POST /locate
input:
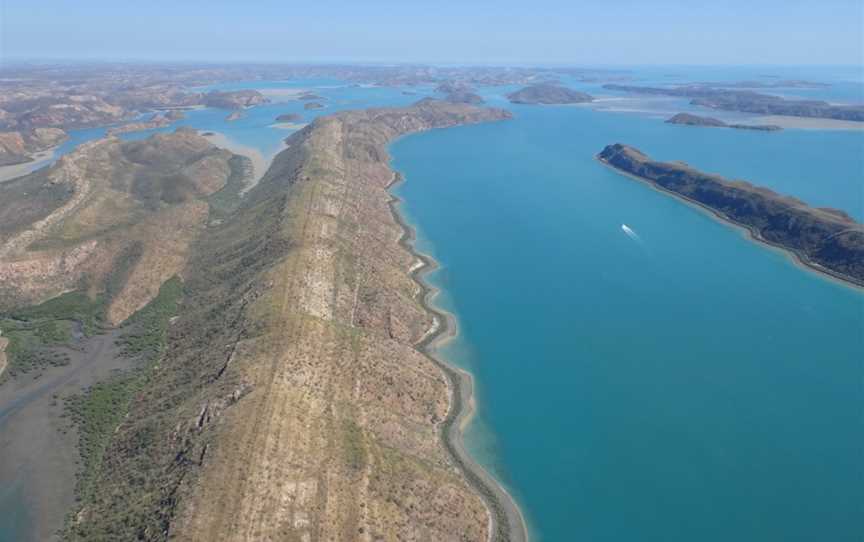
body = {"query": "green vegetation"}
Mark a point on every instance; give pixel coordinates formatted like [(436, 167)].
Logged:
[(34, 331), (99, 411), (225, 201), (147, 327)]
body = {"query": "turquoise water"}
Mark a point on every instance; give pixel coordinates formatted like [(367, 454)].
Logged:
[(685, 384)]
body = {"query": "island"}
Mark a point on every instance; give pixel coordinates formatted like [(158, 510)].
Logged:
[(237, 114), (827, 240), (158, 120), (688, 119), (750, 102), (236, 99), (289, 117), (548, 94), (309, 96), (313, 105)]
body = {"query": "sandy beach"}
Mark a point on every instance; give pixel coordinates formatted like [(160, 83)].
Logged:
[(260, 163), (807, 123), (288, 125), (507, 522)]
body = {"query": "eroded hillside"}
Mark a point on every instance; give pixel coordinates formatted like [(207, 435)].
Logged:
[(114, 218)]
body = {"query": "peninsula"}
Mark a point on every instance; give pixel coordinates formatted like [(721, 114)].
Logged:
[(548, 94), (293, 398), (827, 240)]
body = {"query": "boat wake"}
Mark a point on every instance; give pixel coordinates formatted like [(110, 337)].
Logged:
[(628, 231)]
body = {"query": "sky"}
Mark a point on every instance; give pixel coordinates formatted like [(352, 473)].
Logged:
[(574, 32)]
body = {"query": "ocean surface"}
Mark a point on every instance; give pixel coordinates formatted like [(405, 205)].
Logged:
[(672, 381), (676, 382)]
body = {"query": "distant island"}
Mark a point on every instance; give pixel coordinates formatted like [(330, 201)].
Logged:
[(237, 114), (782, 83), (748, 101), (289, 117), (827, 240), (695, 120), (459, 92), (313, 105), (308, 96), (234, 99), (548, 94)]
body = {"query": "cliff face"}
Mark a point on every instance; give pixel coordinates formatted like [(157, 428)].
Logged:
[(827, 239), (291, 403), (548, 94)]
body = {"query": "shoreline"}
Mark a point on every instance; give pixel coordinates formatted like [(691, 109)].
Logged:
[(260, 163), (795, 256), (40, 159), (507, 523)]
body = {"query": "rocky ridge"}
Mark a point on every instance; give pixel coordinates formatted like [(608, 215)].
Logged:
[(825, 239)]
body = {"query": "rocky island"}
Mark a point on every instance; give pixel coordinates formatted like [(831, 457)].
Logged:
[(695, 120), (827, 240), (313, 105), (548, 94)]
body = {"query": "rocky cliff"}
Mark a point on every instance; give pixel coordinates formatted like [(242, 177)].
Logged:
[(292, 403), (825, 239)]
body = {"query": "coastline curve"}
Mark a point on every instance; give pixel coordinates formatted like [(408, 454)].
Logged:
[(507, 523)]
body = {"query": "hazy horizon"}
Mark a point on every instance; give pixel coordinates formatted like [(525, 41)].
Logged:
[(668, 33)]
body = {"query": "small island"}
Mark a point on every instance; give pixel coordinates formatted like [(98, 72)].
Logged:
[(548, 94), (313, 105), (235, 115), (827, 240), (309, 96), (289, 117), (687, 119)]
